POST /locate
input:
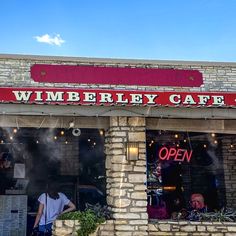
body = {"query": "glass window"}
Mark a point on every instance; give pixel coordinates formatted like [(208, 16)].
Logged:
[(180, 164)]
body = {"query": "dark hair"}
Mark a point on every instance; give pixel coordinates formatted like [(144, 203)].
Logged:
[(52, 190)]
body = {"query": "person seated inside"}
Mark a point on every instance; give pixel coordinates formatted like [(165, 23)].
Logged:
[(197, 205), (156, 207), (178, 211), (197, 202)]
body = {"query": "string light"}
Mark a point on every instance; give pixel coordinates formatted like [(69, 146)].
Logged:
[(11, 137), (176, 135), (101, 132), (215, 141), (231, 145), (37, 141), (66, 142), (14, 130), (213, 135), (204, 145), (55, 137), (62, 132)]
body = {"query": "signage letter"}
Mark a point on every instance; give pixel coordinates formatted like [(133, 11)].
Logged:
[(175, 99), (151, 98), (106, 98), (89, 97), (188, 156), (189, 100), (120, 98), (22, 95), (73, 97), (165, 151), (54, 97), (203, 99), (218, 100), (39, 96), (136, 98)]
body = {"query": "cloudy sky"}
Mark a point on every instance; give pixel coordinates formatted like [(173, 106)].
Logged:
[(203, 30)]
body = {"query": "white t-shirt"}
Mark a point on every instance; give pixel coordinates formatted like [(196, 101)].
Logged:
[(54, 207)]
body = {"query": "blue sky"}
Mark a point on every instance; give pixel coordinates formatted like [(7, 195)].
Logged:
[(197, 30)]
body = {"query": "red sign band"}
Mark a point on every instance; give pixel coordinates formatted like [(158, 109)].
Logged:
[(115, 97), (115, 75)]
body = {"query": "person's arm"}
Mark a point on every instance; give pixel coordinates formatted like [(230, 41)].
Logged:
[(39, 214), (71, 207)]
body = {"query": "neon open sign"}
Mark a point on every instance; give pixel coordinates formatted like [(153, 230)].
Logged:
[(175, 154)]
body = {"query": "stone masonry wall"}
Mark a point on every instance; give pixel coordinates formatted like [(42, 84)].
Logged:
[(161, 228), (69, 227), (186, 228), (126, 180), (15, 71), (229, 162)]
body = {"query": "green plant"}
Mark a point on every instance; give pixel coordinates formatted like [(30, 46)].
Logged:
[(99, 210), (89, 221), (224, 214)]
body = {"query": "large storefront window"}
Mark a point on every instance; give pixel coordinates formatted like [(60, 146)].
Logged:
[(30, 157), (180, 164)]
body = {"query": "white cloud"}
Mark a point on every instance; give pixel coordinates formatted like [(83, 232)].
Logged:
[(46, 38)]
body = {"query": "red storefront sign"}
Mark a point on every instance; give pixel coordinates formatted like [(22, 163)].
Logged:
[(115, 75), (31, 95)]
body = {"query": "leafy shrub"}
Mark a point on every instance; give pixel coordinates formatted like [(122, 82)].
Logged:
[(225, 214), (99, 211), (89, 221)]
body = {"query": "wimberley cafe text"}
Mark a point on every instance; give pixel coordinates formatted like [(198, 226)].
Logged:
[(152, 140)]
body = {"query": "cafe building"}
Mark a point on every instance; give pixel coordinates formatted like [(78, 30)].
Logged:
[(132, 134)]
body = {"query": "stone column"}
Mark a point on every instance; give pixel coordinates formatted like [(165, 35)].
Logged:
[(229, 162), (126, 179)]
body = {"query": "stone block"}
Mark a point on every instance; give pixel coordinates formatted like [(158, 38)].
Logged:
[(137, 136), (137, 178), (140, 233), (139, 195), (122, 202), (124, 227), (69, 223), (122, 121), (188, 228), (231, 229), (126, 216), (136, 121)]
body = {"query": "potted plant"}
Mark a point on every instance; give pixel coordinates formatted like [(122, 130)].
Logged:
[(89, 219)]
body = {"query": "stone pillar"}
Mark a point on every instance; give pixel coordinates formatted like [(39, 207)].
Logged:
[(126, 179), (229, 162)]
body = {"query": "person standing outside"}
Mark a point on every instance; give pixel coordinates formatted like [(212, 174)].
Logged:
[(51, 205)]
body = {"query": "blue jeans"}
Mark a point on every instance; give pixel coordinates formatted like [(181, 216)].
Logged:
[(46, 228)]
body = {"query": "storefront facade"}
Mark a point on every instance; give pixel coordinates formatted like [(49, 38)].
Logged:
[(193, 106)]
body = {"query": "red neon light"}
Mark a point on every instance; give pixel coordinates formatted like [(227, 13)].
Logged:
[(115, 75), (177, 154)]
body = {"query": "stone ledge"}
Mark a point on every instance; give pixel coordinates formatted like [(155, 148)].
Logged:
[(175, 228)]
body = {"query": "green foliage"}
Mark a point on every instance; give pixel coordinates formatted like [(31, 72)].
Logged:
[(224, 214), (99, 210), (89, 221)]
